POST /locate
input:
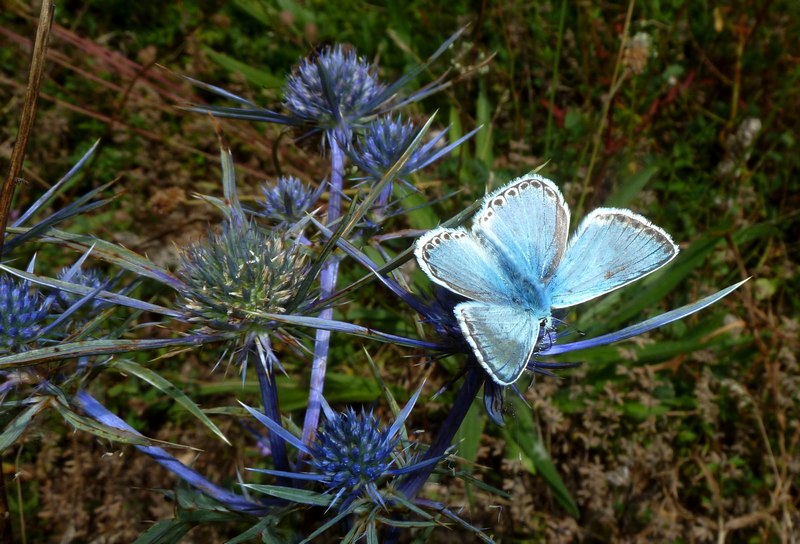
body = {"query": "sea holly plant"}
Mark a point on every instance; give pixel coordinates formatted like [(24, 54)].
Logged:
[(260, 291), (357, 462), (334, 93)]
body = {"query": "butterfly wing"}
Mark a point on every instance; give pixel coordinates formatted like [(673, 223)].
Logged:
[(502, 337), (455, 259), (527, 222), (611, 248)]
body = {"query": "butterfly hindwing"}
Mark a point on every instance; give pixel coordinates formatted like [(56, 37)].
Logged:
[(502, 337), (455, 259), (527, 222), (611, 248)]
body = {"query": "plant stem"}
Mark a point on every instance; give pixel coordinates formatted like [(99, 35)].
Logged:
[(328, 277), (412, 483), (554, 82), (269, 398), (473, 380), (26, 119), (616, 83), (235, 502)]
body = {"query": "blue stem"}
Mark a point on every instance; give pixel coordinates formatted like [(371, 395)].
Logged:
[(235, 502), (269, 397), (328, 277), (473, 380)]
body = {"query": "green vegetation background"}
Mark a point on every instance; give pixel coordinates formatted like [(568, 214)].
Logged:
[(690, 434)]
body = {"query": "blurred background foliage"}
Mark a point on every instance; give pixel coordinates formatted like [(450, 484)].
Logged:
[(685, 111)]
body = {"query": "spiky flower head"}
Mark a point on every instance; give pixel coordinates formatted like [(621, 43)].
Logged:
[(384, 141), (352, 452), (21, 312), (288, 200), (380, 146), (333, 89), (90, 278), (240, 270)]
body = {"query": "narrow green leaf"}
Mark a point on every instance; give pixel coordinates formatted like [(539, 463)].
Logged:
[(468, 437), (252, 532), (91, 426), (409, 524), (300, 496), (324, 527), (484, 138), (456, 131), (87, 348), (17, 426), (372, 533), (524, 437), (339, 389), (164, 385), (169, 531), (260, 78), (630, 187), (173, 530), (109, 252)]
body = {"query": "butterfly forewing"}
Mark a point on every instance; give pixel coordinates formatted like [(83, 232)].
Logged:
[(454, 259), (527, 222), (611, 248), (502, 337)]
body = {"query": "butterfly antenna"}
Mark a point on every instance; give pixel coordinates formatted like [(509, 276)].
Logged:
[(567, 329)]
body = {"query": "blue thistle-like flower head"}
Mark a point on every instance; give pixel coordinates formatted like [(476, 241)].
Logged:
[(334, 89), (288, 200), (380, 146), (90, 278), (352, 452), (21, 312), (240, 270), (384, 141)]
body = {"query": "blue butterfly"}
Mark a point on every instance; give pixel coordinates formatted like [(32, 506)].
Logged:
[(515, 266)]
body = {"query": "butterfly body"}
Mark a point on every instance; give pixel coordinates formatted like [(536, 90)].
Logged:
[(516, 266)]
